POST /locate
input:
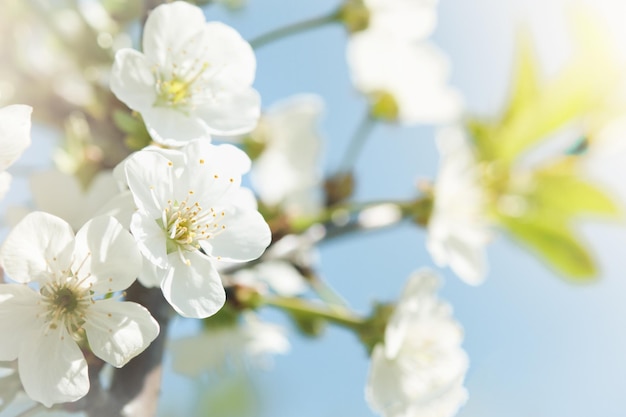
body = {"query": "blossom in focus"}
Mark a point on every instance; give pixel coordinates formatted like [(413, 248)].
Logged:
[(288, 173), (14, 139), (405, 82), (249, 341), (193, 78), (418, 370), (43, 326), (191, 214), (62, 195), (457, 228)]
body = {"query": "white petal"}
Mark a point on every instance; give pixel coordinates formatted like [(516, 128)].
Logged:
[(132, 80), (168, 28), (409, 20), (382, 390), (53, 369), (282, 278), (110, 255), (231, 54), (467, 260), (5, 183), (232, 112), (194, 289), (172, 127), (150, 178), (122, 207), (245, 237), (150, 238), (38, 244), (18, 318), (211, 173), (119, 331), (150, 275), (14, 133)]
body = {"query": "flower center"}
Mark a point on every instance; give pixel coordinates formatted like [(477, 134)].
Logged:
[(65, 303), (186, 223), (178, 90), (66, 298)]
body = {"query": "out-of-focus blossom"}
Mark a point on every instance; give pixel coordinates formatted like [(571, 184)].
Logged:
[(409, 20), (288, 172), (41, 328), (405, 82), (190, 200), (418, 370), (250, 341), (193, 78), (457, 228), (14, 139), (62, 195)]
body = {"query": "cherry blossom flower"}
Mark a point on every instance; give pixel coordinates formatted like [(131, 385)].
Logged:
[(458, 229), (191, 214), (406, 82), (14, 139), (193, 78), (419, 368), (62, 195), (409, 20), (288, 173), (251, 341), (44, 326)]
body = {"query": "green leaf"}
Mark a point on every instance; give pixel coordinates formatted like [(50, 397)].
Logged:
[(553, 242), (126, 122), (536, 110), (525, 82), (568, 196)]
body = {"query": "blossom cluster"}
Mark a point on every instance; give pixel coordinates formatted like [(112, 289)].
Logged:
[(167, 214)]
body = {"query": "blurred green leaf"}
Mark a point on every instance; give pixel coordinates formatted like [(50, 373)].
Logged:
[(569, 196), (537, 110), (233, 396), (555, 244)]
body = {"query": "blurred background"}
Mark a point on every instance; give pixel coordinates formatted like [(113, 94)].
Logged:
[(538, 345)]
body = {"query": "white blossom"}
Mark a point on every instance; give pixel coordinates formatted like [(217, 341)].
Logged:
[(191, 214), (62, 195), (410, 20), (288, 172), (193, 78), (458, 228), (418, 370), (43, 326), (411, 76), (14, 139), (251, 341)]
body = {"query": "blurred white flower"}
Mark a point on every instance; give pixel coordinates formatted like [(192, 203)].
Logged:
[(419, 369), (288, 172), (410, 20), (251, 341), (62, 195), (41, 328), (458, 228), (193, 78), (405, 82), (190, 200), (14, 139)]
